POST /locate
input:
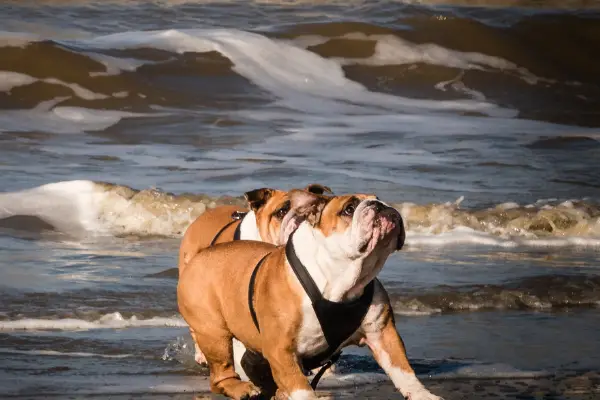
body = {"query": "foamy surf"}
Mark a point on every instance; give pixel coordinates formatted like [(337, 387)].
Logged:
[(109, 321), (393, 50), (10, 80), (49, 117), (84, 208), (53, 353)]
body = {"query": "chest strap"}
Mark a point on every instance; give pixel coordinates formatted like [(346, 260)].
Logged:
[(252, 360), (235, 217), (338, 320)]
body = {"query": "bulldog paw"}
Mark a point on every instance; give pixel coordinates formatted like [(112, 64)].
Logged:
[(200, 359), (252, 393), (422, 395)]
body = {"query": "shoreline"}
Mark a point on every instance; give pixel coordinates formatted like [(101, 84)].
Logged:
[(572, 385)]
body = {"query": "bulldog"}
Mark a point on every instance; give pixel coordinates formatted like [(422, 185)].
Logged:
[(262, 222), (296, 306)]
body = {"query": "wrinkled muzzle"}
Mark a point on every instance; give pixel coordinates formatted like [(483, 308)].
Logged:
[(386, 224)]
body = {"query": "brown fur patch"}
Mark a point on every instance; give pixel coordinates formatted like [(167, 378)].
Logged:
[(335, 217)]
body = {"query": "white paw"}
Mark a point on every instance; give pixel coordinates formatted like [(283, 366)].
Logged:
[(199, 356), (422, 395)]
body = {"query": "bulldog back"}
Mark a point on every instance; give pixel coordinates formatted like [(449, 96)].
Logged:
[(203, 230)]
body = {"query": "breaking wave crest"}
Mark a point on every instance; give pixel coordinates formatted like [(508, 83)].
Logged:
[(545, 223), (109, 321), (82, 208)]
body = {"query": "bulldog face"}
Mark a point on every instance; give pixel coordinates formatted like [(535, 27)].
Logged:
[(357, 224), (270, 207)]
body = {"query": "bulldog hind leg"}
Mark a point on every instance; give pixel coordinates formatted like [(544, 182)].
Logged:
[(217, 347)]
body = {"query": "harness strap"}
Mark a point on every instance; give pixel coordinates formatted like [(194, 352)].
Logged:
[(251, 291), (235, 216), (338, 320), (259, 358), (324, 368), (309, 285)]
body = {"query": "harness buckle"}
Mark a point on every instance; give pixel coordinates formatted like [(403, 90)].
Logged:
[(237, 215)]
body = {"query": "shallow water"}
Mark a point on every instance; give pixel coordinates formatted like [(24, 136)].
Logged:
[(120, 122)]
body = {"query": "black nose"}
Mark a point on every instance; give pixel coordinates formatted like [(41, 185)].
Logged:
[(377, 205)]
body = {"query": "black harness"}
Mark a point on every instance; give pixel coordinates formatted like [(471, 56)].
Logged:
[(338, 320), (235, 216)]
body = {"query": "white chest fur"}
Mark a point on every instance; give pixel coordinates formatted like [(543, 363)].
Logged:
[(249, 228), (311, 339)]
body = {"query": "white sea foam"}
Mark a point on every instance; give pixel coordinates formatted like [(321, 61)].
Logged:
[(109, 321), (82, 208), (53, 353), (115, 65), (468, 236), (10, 80), (66, 120), (393, 50), (78, 90)]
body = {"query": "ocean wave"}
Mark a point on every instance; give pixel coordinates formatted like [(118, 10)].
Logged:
[(286, 70), (85, 207), (299, 71), (109, 321), (81, 208), (543, 293)]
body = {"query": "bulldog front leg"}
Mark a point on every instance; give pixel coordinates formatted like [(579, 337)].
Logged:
[(388, 349), (288, 375)]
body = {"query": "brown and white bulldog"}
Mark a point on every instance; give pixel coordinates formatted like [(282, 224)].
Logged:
[(262, 221), (256, 295)]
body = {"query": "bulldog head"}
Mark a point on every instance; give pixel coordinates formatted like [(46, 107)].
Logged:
[(352, 234), (270, 206)]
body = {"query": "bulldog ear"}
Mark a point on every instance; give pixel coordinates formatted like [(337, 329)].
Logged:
[(258, 197), (307, 205), (304, 206), (318, 189)]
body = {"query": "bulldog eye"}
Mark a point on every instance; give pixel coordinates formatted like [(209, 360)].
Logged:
[(282, 212), (349, 210)]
